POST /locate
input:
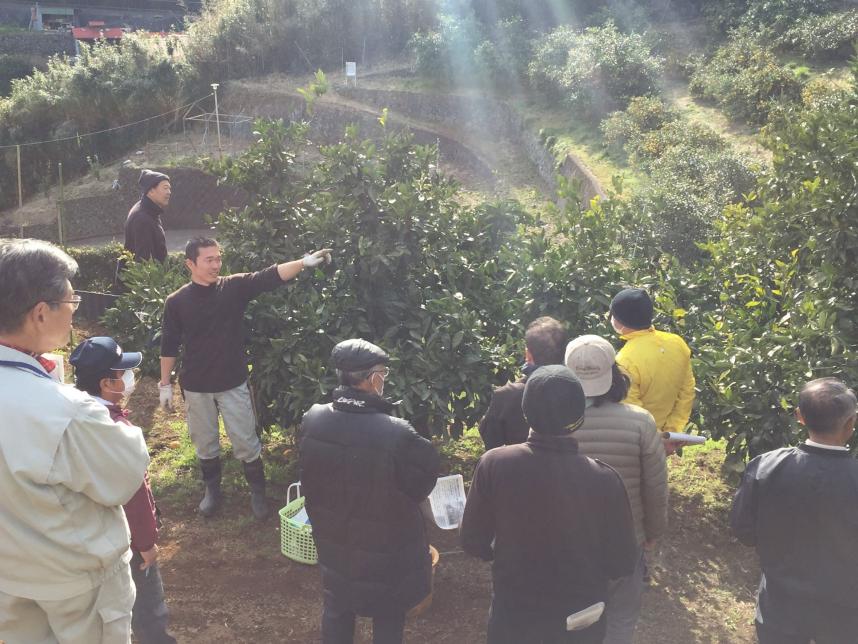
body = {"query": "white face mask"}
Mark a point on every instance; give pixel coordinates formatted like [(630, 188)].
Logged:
[(128, 382)]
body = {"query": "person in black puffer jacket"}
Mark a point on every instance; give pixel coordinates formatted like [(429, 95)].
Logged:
[(364, 474)]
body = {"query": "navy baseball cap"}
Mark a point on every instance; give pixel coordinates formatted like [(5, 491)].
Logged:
[(101, 353)]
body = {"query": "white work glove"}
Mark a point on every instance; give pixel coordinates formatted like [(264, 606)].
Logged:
[(165, 395), (314, 259)]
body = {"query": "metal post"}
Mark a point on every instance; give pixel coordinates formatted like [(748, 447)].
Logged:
[(217, 119), (61, 204), (20, 188)]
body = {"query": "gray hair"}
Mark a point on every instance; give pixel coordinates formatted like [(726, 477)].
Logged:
[(352, 378), (31, 271)]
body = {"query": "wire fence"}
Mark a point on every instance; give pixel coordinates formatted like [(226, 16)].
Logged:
[(42, 167)]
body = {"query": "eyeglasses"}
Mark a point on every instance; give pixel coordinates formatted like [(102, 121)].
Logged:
[(75, 302), (384, 372)]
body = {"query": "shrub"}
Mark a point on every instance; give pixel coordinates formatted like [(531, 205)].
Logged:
[(135, 321), (644, 114), (429, 53), (96, 266), (780, 15), (413, 271), (825, 37), (648, 129), (448, 53), (597, 70), (820, 94), (689, 187), (692, 173), (11, 68), (128, 82), (745, 79), (504, 57), (782, 266)]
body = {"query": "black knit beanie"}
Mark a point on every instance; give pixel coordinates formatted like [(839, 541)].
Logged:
[(149, 179), (553, 401), (633, 308)]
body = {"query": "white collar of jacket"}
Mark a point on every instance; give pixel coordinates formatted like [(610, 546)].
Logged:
[(834, 448)]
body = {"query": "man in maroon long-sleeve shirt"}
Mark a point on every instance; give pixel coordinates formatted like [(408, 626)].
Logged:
[(106, 373)]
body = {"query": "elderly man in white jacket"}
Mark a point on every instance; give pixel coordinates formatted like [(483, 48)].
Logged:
[(65, 470)]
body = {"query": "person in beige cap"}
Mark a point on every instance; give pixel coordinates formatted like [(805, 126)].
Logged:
[(623, 436)]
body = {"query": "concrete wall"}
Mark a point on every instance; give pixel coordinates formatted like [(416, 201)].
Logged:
[(485, 117), (196, 198), (37, 43)]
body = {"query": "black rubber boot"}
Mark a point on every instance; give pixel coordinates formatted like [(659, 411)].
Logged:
[(213, 498), (254, 472)]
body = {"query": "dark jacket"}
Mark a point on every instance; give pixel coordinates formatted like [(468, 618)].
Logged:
[(504, 422), (363, 474), (799, 507), (144, 234), (209, 322), (561, 524)]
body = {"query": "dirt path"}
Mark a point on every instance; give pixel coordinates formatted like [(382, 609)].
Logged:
[(742, 137)]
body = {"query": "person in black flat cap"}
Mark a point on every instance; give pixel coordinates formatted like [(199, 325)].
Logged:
[(555, 524), (364, 474), (144, 233)]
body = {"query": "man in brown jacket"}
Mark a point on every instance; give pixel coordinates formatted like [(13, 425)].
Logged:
[(556, 525), (504, 422)]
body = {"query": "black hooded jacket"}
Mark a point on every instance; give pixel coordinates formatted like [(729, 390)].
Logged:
[(363, 473)]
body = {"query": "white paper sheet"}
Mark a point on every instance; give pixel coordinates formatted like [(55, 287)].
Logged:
[(447, 501)]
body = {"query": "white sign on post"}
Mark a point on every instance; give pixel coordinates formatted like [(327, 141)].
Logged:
[(351, 71)]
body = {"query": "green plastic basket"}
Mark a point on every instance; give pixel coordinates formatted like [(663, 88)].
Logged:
[(296, 539)]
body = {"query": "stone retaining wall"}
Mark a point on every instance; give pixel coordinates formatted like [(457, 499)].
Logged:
[(196, 198), (329, 121), (36, 43), (486, 116)]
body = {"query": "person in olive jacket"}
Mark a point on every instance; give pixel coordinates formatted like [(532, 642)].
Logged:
[(364, 474)]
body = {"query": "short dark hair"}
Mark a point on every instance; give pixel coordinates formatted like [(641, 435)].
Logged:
[(620, 383), (192, 248), (31, 271), (546, 339), (90, 381), (826, 404)]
